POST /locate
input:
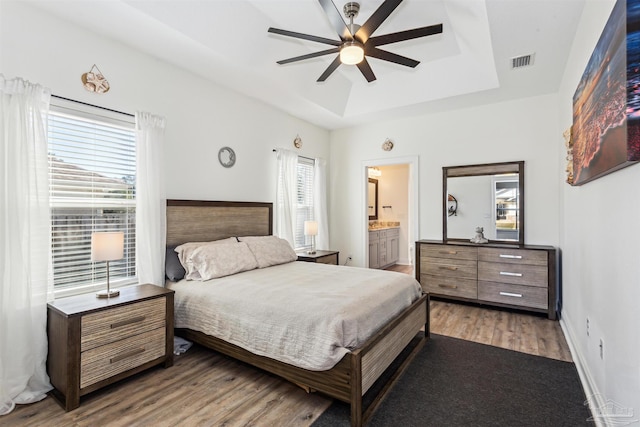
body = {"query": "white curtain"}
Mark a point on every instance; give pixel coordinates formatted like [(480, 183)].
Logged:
[(150, 199), (320, 203), (25, 243), (286, 191)]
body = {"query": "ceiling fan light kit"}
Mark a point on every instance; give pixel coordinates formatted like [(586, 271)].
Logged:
[(356, 41), (351, 53)]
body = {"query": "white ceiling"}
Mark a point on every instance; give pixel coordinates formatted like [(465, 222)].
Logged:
[(227, 42)]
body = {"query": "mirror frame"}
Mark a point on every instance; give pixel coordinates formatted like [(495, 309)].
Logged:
[(375, 205), (480, 170)]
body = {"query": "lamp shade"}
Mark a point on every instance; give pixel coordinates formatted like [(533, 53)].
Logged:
[(107, 246), (311, 228)]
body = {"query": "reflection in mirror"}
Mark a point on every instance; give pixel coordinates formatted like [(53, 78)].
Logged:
[(490, 196), (372, 199)]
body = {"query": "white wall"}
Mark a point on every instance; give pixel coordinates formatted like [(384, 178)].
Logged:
[(519, 130), (600, 242), (201, 117)]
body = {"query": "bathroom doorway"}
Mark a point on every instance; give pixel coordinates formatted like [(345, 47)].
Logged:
[(390, 235)]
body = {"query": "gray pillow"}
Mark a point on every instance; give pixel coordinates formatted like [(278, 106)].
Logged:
[(172, 267)]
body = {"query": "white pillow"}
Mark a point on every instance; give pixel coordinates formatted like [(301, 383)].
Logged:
[(213, 261), (270, 250), (185, 252)]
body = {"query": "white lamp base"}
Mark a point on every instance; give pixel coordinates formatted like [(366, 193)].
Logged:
[(108, 293)]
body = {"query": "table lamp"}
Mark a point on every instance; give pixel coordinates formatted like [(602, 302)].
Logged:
[(311, 229), (107, 246)]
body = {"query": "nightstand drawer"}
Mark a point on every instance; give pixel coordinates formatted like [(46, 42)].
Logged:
[(106, 361), (329, 259), (107, 326)]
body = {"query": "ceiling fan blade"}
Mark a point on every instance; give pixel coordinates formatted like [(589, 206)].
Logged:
[(405, 35), (366, 70), (309, 56), (303, 36), (330, 69), (376, 19), (391, 57), (335, 17)]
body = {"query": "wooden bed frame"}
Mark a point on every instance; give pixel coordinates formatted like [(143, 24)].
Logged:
[(356, 373)]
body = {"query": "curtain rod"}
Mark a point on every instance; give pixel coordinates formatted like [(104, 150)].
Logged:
[(304, 157), (92, 105)]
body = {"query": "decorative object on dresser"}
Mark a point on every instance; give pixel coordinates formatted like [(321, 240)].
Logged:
[(96, 342), (522, 277), (323, 257), (479, 237), (107, 246), (311, 229), (493, 195), (384, 246)]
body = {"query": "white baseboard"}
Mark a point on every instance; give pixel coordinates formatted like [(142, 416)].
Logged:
[(597, 402)]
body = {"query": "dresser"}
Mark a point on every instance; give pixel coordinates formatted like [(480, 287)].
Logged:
[(384, 247), (94, 342), (522, 277)]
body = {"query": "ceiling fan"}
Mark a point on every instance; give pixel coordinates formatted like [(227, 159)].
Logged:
[(355, 40)]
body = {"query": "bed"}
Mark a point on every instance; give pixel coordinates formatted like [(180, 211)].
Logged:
[(351, 374)]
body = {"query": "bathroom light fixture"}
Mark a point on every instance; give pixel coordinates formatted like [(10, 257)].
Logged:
[(374, 172)]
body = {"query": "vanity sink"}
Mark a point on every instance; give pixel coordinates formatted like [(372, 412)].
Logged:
[(381, 225)]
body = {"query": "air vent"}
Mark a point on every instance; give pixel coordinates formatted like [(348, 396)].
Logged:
[(522, 61)]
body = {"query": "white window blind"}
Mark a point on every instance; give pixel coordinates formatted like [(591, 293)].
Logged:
[(92, 167), (304, 210)]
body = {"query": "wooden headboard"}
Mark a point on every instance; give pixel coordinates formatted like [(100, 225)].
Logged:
[(204, 221)]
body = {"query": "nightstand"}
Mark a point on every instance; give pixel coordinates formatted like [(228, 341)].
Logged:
[(324, 257), (94, 342)]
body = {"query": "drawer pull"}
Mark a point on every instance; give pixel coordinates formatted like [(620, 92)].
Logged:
[(449, 252), (506, 273), (510, 294), (127, 322), (447, 267), (511, 256), (126, 355), (448, 286)]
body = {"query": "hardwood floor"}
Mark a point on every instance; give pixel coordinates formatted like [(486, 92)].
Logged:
[(204, 388)]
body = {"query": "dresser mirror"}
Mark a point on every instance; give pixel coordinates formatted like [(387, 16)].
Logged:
[(490, 196)]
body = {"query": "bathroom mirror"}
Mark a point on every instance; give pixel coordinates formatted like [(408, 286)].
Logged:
[(372, 199), (490, 196)]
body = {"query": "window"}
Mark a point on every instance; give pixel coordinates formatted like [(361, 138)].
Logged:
[(304, 208), (92, 172)]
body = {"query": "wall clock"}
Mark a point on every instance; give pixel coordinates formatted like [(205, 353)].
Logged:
[(227, 157)]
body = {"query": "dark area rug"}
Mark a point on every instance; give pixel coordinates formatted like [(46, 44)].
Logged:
[(453, 382)]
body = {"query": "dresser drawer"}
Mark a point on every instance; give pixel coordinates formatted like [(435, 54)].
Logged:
[(441, 285), (449, 267), (449, 252), (515, 256), (525, 296), (518, 274), (108, 360), (105, 327)]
